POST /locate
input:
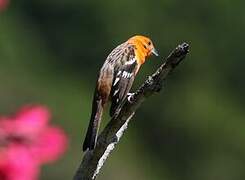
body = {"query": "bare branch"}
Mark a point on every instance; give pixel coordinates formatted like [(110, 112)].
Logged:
[(110, 136)]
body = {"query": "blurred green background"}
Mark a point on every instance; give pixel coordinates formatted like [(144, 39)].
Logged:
[(51, 51)]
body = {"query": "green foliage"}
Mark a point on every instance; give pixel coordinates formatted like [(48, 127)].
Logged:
[(50, 53)]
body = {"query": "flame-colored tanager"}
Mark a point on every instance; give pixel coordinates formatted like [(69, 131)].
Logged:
[(115, 79)]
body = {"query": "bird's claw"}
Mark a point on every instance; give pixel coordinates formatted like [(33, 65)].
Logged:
[(130, 97)]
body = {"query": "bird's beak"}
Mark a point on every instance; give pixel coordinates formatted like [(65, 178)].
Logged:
[(154, 51)]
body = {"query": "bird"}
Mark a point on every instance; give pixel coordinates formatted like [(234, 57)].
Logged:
[(115, 80)]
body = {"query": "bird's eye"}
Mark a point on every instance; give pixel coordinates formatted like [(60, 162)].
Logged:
[(149, 43), (145, 46)]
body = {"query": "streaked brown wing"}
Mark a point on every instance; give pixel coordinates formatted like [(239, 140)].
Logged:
[(123, 80)]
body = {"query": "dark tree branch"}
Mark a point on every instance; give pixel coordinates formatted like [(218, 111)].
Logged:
[(110, 136)]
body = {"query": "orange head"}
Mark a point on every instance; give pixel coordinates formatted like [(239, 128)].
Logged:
[(143, 47)]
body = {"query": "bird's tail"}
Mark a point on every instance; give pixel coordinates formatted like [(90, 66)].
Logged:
[(92, 131)]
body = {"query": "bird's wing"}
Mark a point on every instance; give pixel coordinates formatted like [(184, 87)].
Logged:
[(124, 76)]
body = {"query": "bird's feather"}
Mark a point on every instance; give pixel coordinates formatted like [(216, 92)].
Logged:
[(124, 77)]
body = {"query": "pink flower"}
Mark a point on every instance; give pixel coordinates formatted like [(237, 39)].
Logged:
[(27, 141), (17, 164), (3, 4)]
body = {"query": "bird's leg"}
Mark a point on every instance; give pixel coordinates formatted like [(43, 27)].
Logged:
[(130, 97)]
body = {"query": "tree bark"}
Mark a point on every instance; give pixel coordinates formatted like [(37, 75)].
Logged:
[(93, 160)]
